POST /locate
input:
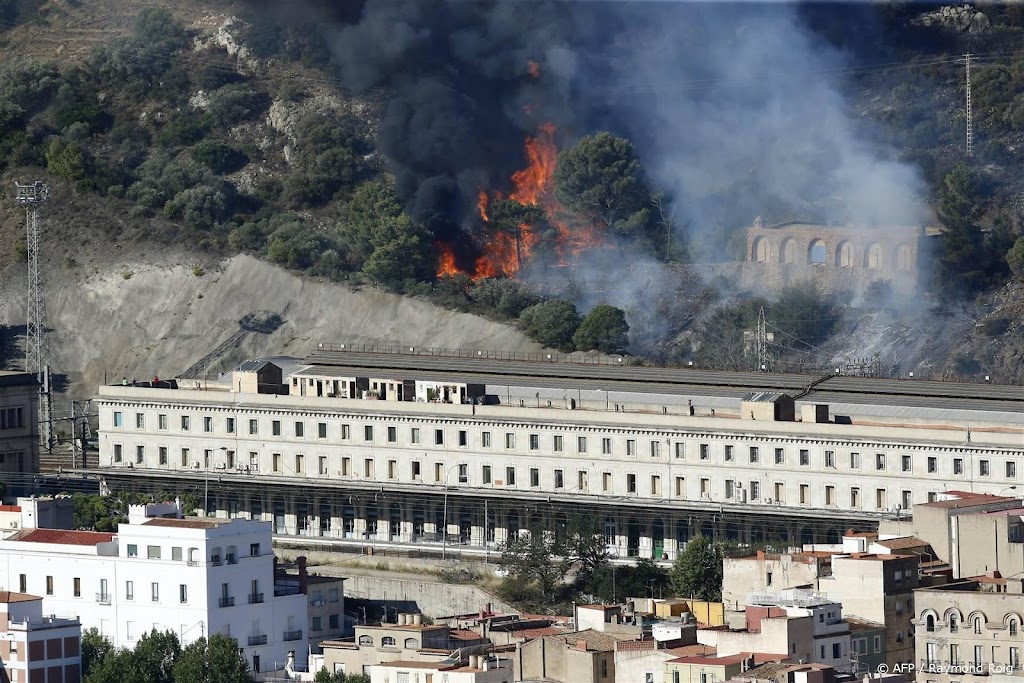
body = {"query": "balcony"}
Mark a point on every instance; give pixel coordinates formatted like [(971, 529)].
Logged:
[(293, 635), (226, 602), (192, 563), (103, 598), (255, 598), (257, 640)]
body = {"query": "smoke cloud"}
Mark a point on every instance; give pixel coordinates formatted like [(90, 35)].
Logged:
[(736, 111)]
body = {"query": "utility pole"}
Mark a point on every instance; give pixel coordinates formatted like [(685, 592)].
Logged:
[(37, 359), (970, 115), (762, 342)]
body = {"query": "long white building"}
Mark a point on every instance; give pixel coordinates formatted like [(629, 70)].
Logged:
[(195, 577), (391, 448)]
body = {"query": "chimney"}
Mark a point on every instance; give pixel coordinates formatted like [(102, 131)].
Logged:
[(303, 575), (417, 619), (581, 645), (290, 665), (402, 619)]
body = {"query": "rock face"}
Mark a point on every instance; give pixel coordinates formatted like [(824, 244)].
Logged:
[(963, 19)]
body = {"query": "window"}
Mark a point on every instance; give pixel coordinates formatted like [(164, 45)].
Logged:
[(463, 437), (300, 460), (1014, 658), (680, 450), (1013, 627), (979, 655), (254, 550), (906, 463), (816, 254), (767, 578), (780, 492), (557, 443), (953, 624), (630, 483), (333, 620), (186, 423), (366, 640), (317, 624), (510, 440), (581, 444), (392, 434), (229, 425), (368, 468), (805, 457), (140, 455), (655, 449), (655, 485), (854, 461), (780, 456), (705, 487), (276, 462), (755, 490), (182, 593), (133, 550), (606, 446), (463, 474), (387, 641), (321, 430), (855, 497), (680, 487), (510, 476), (830, 495), (933, 464), (300, 430), (176, 553), (322, 467), (1011, 469), (118, 418), (119, 453), (155, 591), (346, 467), (275, 427), (754, 455), (836, 651), (207, 424), (905, 499), (728, 453), (368, 433), (414, 435), (705, 451), (76, 587), (983, 469), (805, 494), (23, 583), (129, 590), (438, 437), (958, 465), (486, 474), (254, 427), (485, 439), (880, 499), (830, 459), (534, 477), (606, 481), (163, 454), (153, 552), (534, 442), (559, 483), (140, 420), (161, 422), (879, 461)]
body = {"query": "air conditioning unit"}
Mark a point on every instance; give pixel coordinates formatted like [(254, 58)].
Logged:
[(220, 466), (195, 464)]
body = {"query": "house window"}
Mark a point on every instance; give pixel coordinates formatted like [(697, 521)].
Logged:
[(346, 467), (983, 469), (581, 444), (655, 449), (510, 440), (581, 480), (680, 487), (275, 428), (368, 468), (322, 467), (933, 464), (830, 459), (438, 437), (300, 463), (754, 456), (534, 477), (140, 455), (953, 624), (439, 472), (705, 451), (1011, 469), (300, 430), (728, 453), (463, 437), (368, 433), (392, 434), (207, 424), (906, 464), (879, 461), (182, 593), (958, 465), (129, 590), (321, 430), (463, 474), (830, 495), (680, 450), (780, 456), (140, 420), (557, 443), (153, 552), (805, 457), (1013, 627), (805, 494), (606, 481), (176, 553), (485, 440), (534, 442), (414, 435), (855, 497), (854, 461), (755, 490), (606, 446), (880, 499), (254, 550), (163, 454), (118, 418), (161, 422), (558, 479), (705, 487), (630, 483), (510, 476), (119, 453), (387, 641), (487, 474), (254, 427), (155, 591), (277, 462), (229, 425), (76, 587), (655, 485)]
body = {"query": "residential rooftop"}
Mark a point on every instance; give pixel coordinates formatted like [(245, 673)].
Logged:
[(188, 523), (7, 597), (61, 537)]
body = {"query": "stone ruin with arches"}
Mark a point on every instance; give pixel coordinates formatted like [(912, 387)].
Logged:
[(838, 258)]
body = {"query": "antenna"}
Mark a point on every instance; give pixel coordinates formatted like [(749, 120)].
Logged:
[(762, 342), (36, 349), (970, 116)]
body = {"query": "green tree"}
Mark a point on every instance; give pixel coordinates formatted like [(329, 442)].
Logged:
[(600, 179), (219, 156), (366, 218), (95, 648), (1015, 258), (216, 660), (552, 323), (604, 329), (325, 676), (644, 579), (407, 256), (154, 657), (509, 217), (531, 558), (508, 298), (67, 160), (697, 571), (962, 241)]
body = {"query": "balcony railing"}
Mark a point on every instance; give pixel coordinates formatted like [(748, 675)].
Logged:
[(255, 598), (103, 598), (192, 563), (257, 640), (226, 602), (293, 635)]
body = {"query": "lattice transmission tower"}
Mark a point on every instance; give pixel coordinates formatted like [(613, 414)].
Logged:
[(968, 108), (37, 356), (762, 342)]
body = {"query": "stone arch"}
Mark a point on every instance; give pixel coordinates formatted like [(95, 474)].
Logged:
[(952, 617), (873, 256), (901, 257), (759, 250), (787, 250), (816, 252), (977, 621), (844, 254), (1012, 621)]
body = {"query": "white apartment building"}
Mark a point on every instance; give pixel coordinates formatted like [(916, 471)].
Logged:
[(653, 464), (35, 648), (478, 669), (192, 576)]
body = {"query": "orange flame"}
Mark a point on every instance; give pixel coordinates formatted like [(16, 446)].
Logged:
[(481, 203), (534, 69), (446, 265)]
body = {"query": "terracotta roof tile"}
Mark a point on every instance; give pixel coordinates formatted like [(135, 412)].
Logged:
[(7, 597), (636, 645), (902, 543), (61, 537), (464, 634)]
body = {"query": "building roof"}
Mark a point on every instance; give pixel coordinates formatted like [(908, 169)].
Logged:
[(968, 499), (10, 508), (759, 657), (863, 624), (695, 650), (7, 597), (61, 537), (874, 557), (766, 670), (408, 664), (540, 632), (764, 397), (463, 634), (596, 641), (636, 645), (902, 543), (188, 523), (254, 365)]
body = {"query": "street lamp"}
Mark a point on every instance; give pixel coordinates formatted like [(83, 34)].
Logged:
[(1008, 488), (444, 531)]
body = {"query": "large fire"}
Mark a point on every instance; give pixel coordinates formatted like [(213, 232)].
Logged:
[(506, 254)]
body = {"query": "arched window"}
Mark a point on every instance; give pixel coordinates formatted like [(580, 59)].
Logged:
[(366, 640), (215, 556), (759, 251), (411, 644), (193, 556), (387, 641), (902, 258), (929, 623), (232, 555), (873, 257), (788, 250), (977, 624), (844, 255), (1013, 627), (953, 623), (816, 252)]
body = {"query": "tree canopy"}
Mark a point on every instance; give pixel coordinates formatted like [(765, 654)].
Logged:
[(552, 323), (603, 329), (697, 571), (217, 659), (962, 240)]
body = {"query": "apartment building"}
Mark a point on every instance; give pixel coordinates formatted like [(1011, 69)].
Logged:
[(715, 669), (477, 669), (43, 512), (970, 631), (192, 576), (35, 648), (579, 657), (19, 428)]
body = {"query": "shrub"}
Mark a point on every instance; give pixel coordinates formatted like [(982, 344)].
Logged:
[(508, 298), (198, 270), (219, 156), (1015, 258), (604, 329), (552, 323), (200, 207), (995, 327), (217, 71), (67, 160), (183, 128), (234, 104)]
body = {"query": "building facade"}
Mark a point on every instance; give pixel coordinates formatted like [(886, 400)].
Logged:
[(36, 648), (194, 577), (19, 429)]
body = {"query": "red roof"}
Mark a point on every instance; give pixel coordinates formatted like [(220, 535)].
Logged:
[(540, 632), (10, 508), (464, 634), (62, 537)]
